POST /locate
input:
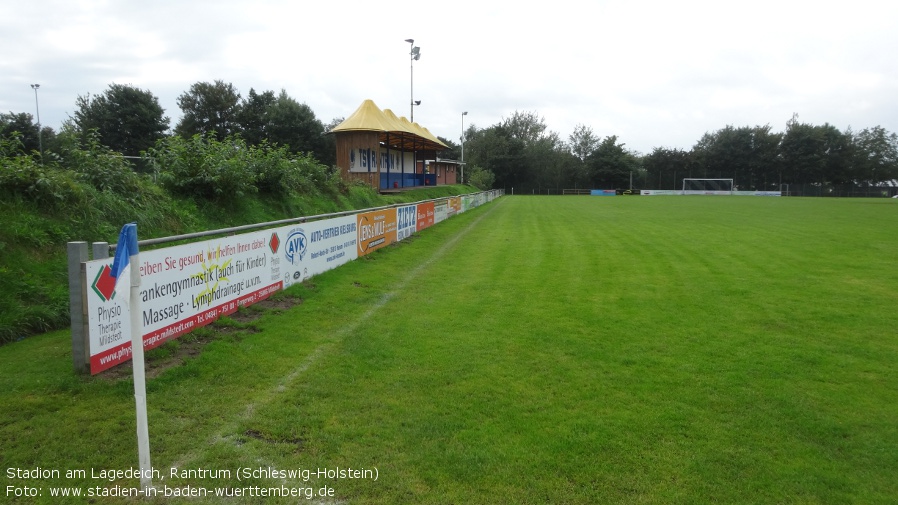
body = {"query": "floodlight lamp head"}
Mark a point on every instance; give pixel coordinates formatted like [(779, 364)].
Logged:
[(410, 41), (417, 102), (465, 113), (35, 86)]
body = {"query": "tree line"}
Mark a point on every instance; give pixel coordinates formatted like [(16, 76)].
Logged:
[(130, 121), (518, 152), (523, 154)]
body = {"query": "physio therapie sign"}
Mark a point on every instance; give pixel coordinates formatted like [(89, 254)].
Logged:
[(189, 286), (182, 288)]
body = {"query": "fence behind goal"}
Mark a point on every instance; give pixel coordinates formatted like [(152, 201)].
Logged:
[(695, 186)]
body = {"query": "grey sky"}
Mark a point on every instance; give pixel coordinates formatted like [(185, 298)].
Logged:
[(654, 73)]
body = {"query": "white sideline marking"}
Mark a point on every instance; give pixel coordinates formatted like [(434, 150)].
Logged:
[(227, 433)]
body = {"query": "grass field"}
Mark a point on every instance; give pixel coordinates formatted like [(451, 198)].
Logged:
[(535, 350)]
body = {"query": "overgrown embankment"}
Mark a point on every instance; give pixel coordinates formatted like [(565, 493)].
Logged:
[(87, 193)]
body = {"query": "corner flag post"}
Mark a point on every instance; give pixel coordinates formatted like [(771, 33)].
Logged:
[(126, 266)]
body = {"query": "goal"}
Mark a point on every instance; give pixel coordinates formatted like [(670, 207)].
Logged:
[(707, 186)]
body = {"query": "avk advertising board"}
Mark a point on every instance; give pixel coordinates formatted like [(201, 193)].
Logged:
[(376, 229), (312, 248)]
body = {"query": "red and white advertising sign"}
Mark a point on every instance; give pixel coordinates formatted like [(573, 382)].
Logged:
[(425, 215), (181, 288)]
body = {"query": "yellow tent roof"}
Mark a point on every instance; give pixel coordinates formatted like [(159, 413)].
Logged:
[(397, 133), (368, 117), (433, 137), (392, 117)]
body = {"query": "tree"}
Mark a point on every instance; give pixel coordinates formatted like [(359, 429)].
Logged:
[(281, 120), (764, 165), (23, 126), (254, 118), (522, 154), (128, 120), (747, 155), (815, 154), (453, 152), (724, 153), (496, 150), (664, 166), (209, 107), (583, 142), (876, 155), (551, 161), (329, 142), (838, 153), (609, 165), (528, 127), (294, 125)]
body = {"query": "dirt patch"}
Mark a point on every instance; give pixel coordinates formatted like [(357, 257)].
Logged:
[(181, 350), (297, 443), (170, 355), (282, 303)]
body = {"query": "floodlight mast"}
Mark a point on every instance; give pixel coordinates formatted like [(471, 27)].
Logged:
[(40, 143), (414, 54), (463, 114)]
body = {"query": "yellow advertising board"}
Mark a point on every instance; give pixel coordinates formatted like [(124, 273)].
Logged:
[(375, 229), (454, 206)]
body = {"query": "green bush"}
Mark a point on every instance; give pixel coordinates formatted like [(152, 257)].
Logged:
[(203, 167), (481, 178), (98, 166), (22, 176)]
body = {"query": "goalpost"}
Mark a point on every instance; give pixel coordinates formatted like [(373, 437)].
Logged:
[(692, 186)]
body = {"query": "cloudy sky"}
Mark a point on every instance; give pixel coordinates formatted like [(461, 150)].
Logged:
[(654, 73)]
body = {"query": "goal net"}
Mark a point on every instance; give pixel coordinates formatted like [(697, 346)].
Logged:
[(708, 186)]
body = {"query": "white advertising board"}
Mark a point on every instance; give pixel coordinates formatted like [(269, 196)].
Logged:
[(188, 286), (440, 211), (406, 221), (312, 248)]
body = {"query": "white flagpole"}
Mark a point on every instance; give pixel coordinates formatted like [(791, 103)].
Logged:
[(137, 360)]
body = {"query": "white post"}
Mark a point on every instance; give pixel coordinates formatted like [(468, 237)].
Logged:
[(128, 248), (463, 114), (140, 386)]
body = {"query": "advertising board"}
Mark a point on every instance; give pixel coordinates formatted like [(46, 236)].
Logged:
[(440, 211), (657, 192), (375, 229), (406, 221), (312, 248), (426, 213), (454, 206), (182, 288)]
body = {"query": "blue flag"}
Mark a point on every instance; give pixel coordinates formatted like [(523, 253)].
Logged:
[(121, 265)]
